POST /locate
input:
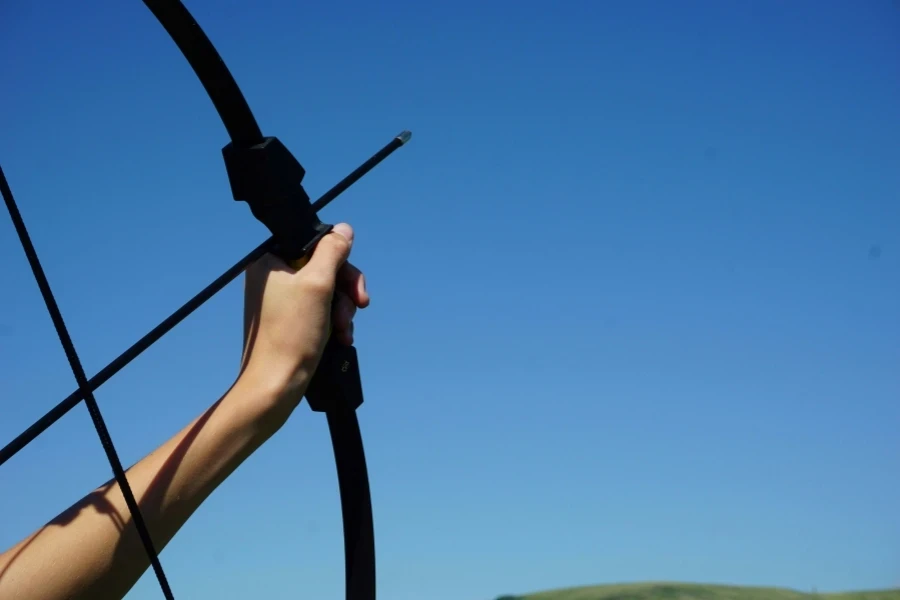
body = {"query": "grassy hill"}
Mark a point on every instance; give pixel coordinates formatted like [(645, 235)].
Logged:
[(687, 591)]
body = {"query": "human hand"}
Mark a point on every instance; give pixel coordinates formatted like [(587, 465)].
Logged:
[(288, 314)]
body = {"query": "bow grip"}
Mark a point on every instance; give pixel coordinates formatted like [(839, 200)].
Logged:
[(336, 385)]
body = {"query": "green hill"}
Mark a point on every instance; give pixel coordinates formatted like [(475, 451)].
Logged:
[(687, 591)]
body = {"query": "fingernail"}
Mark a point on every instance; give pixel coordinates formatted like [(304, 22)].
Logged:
[(345, 230)]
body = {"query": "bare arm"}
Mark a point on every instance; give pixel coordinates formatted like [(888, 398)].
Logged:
[(92, 549)]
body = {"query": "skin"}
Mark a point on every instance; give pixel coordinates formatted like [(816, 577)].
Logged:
[(92, 549)]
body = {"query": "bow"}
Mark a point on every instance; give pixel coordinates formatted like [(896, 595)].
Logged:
[(263, 173)]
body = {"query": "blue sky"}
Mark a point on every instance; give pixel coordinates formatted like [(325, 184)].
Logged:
[(635, 284)]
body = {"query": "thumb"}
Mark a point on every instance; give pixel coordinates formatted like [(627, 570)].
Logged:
[(332, 251)]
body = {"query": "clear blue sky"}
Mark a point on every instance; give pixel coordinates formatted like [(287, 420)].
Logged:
[(636, 304)]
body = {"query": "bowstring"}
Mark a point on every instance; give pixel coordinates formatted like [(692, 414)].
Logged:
[(83, 385)]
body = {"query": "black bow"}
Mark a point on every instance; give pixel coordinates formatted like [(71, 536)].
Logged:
[(263, 173)]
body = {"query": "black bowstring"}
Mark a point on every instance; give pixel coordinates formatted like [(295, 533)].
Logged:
[(83, 385)]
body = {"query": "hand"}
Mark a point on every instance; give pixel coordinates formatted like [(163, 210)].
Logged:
[(287, 314)]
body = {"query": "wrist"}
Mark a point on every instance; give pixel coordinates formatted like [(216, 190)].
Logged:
[(269, 396)]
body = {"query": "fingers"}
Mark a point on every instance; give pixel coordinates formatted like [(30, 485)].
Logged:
[(331, 252), (328, 273), (352, 282)]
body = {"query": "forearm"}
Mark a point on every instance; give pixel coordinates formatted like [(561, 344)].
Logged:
[(92, 550)]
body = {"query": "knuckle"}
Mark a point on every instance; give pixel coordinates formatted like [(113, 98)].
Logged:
[(340, 243)]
